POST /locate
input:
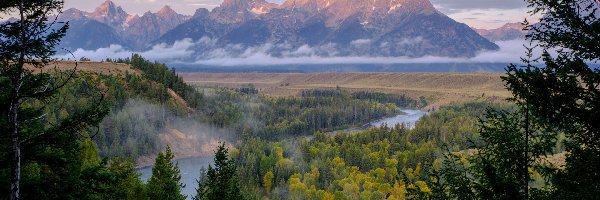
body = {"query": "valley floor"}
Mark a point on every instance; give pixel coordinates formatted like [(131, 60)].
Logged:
[(439, 88)]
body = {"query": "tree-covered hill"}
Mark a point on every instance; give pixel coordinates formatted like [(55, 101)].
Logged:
[(149, 102)]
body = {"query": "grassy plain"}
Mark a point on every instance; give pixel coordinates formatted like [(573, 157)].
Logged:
[(438, 88)]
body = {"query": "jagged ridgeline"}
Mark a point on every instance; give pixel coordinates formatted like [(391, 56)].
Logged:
[(149, 101), (380, 28)]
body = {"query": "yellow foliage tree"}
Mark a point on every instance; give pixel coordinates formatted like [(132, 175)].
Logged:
[(297, 187), (398, 192), (268, 181)]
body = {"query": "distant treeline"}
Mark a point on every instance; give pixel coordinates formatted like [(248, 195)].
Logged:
[(247, 112), (399, 100)]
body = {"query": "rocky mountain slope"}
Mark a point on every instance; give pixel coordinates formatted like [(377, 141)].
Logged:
[(333, 27), (239, 28), (509, 31), (110, 24)]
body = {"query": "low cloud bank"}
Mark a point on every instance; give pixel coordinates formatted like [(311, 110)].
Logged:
[(179, 50), (206, 52)]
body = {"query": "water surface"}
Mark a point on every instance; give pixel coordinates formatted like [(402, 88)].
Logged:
[(409, 119), (190, 171)]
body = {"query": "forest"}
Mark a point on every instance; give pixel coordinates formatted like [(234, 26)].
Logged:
[(372, 164), (69, 134), (132, 132)]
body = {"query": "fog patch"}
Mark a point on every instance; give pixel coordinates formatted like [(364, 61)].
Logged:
[(361, 42), (206, 51), (181, 49), (410, 41), (139, 122), (510, 52)]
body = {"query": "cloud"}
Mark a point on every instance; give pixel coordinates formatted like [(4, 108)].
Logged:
[(510, 52), (190, 52), (410, 41), (179, 50), (483, 13), (360, 42), (113, 51), (493, 18)]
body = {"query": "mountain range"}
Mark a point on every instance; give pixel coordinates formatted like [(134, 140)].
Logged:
[(110, 24), (509, 31), (384, 28)]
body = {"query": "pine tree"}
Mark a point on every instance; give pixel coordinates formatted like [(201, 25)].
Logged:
[(27, 46), (165, 183), (222, 181), (201, 189), (560, 96), (564, 93)]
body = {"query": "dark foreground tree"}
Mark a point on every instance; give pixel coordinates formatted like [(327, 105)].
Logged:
[(562, 95), (500, 167), (26, 46), (165, 182), (221, 181), (202, 179)]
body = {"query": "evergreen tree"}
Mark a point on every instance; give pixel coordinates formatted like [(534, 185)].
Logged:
[(562, 96), (201, 189), (500, 169), (116, 179), (127, 183), (222, 181), (165, 182), (29, 139)]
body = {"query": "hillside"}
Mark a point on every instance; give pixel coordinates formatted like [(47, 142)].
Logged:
[(152, 107), (144, 112)]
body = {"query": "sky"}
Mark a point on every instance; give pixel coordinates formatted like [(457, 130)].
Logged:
[(486, 14)]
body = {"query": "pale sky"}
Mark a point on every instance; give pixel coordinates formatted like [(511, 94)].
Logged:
[(477, 13), (485, 13)]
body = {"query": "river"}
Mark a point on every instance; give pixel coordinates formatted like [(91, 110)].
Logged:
[(190, 167), (190, 171), (408, 117)]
